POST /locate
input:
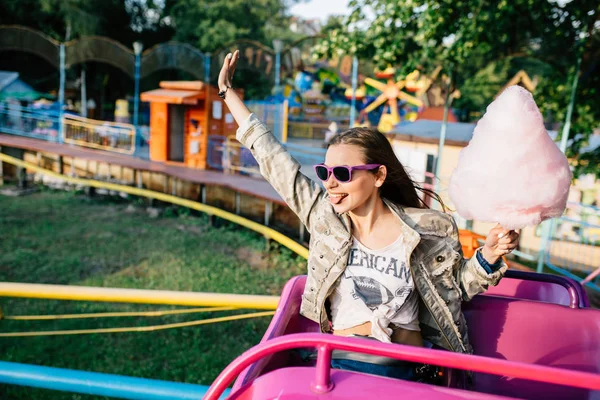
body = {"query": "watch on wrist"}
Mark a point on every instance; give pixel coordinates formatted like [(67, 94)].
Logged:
[(222, 93)]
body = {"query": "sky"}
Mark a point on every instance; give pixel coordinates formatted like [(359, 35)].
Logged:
[(320, 9), (323, 8)]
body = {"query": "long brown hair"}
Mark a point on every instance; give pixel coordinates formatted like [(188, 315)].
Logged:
[(398, 187)]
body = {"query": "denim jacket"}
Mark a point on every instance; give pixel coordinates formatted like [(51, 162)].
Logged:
[(442, 276)]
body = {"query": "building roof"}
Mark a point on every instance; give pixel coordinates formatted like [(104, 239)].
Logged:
[(182, 85), (426, 131), (436, 114), (12, 86), (173, 96), (593, 143), (7, 77), (522, 79)]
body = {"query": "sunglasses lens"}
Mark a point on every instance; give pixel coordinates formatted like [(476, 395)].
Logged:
[(322, 172), (342, 174)]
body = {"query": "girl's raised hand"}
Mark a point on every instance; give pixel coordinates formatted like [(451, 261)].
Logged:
[(226, 74)]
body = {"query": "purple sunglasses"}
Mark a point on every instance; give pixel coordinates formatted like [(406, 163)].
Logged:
[(341, 173)]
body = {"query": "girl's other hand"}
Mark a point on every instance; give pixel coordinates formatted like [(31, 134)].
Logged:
[(498, 243)]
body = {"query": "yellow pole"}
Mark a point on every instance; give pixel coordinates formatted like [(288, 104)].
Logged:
[(139, 296), (284, 134)]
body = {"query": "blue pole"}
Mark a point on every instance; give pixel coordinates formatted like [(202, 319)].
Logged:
[(207, 68), (354, 85), (98, 384), (546, 237), (136, 98), (277, 91), (567, 127), (438, 161), (61, 93), (277, 71)]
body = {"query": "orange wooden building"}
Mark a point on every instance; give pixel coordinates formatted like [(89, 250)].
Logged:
[(182, 116)]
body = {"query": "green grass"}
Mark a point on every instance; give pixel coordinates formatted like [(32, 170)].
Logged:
[(62, 238)]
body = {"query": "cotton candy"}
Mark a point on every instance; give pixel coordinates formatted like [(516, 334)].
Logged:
[(511, 172)]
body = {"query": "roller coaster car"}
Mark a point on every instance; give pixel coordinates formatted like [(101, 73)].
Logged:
[(534, 336)]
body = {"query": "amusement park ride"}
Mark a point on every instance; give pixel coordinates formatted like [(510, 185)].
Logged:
[(534, 336), (423, 92), (391, 92)]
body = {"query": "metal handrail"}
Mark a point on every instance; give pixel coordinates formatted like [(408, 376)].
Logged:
[(325, 344), (577, 297), (102, 135)]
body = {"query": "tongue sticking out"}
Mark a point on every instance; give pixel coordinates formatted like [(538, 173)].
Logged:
[(337, 199)]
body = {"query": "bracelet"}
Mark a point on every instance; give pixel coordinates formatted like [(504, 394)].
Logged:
[(489, 268), (223, 92)]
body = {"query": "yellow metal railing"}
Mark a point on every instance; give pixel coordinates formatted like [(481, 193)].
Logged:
[(263, 230), (119, 314), (140, 328), (104, 135), (137, 296)]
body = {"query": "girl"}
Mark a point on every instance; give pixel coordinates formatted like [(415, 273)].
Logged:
[(381, 264)]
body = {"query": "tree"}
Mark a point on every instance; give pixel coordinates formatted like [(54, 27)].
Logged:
[(125, 21), (474, 40), (122, 20), (205, 24), (211, 24)]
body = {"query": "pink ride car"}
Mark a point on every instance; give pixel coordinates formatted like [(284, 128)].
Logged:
[(534, 337)]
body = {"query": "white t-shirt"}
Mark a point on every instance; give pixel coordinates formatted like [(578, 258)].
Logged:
[(376, 287)]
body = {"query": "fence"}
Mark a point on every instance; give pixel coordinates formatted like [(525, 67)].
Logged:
[(29, 122), (306, 155), (47, 124), (310, 130), (103, 135), (574, 245), (237, 158), (95, 383), (273, 114), (216, 145)]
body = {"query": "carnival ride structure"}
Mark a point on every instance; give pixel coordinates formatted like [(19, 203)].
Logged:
[(534, 336), (551, 358), (391, 92)]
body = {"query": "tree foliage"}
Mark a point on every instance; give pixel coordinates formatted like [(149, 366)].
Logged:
[(122, 20), (205, 24), (211, 24), (481, 44)]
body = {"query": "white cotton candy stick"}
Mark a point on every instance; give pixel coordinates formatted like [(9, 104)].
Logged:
[(511, 172)]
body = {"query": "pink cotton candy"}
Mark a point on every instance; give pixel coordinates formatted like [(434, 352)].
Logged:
[(511, 172)]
